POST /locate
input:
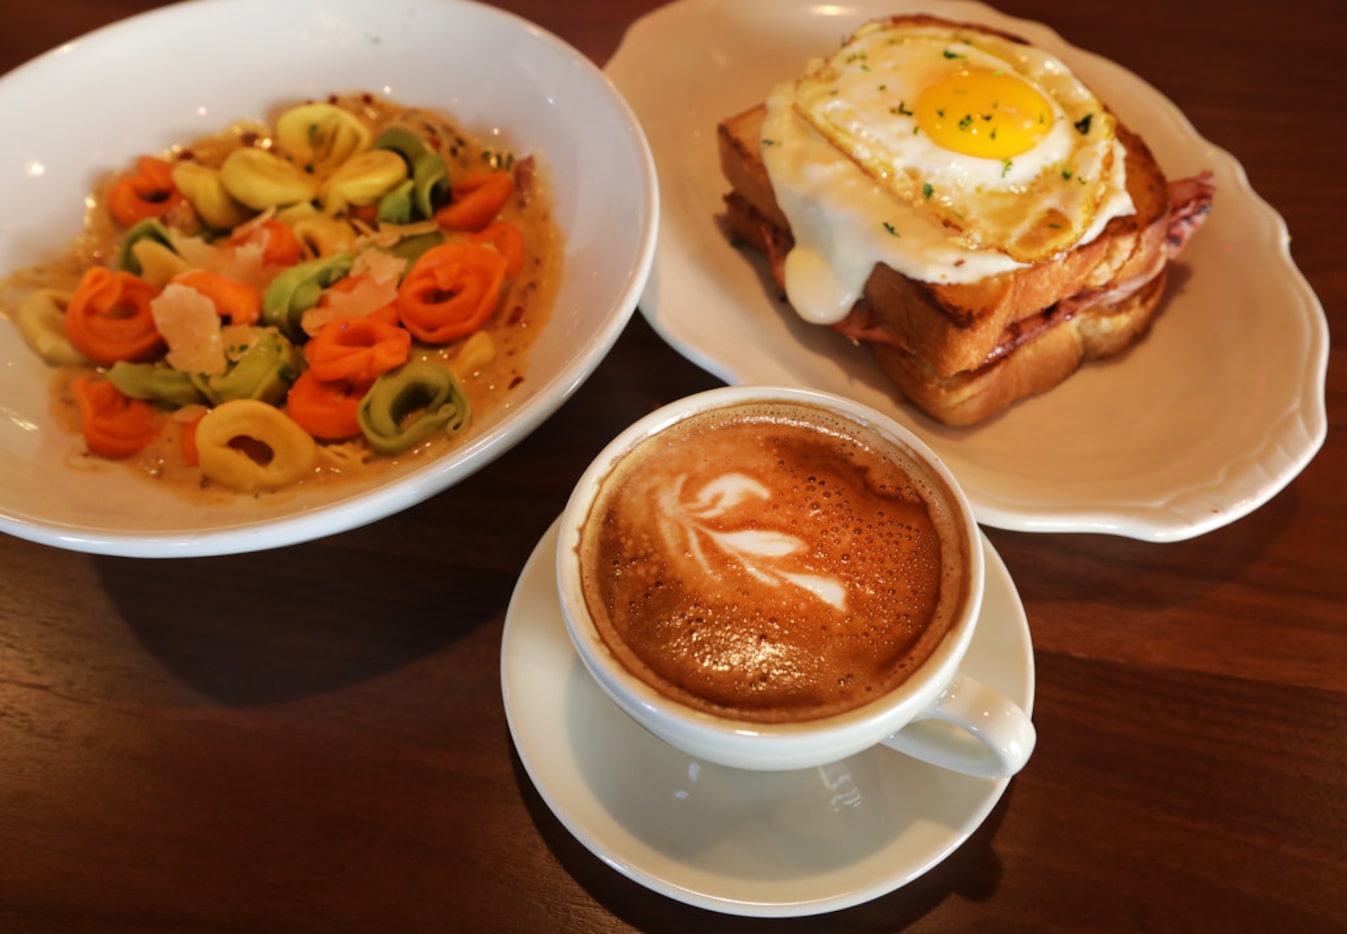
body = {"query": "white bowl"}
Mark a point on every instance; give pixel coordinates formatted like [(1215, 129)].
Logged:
[(148, 82)]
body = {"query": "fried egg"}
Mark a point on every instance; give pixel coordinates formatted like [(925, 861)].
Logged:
[(946, 152), (997, 139)]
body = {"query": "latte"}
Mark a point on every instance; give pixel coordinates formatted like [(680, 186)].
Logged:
[(772, 562)]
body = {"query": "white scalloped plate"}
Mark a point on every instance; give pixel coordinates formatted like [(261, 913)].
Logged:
[(137, 86), (1210, 416)]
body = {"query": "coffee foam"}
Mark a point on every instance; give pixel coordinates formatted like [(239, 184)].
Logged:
[(772, 562)]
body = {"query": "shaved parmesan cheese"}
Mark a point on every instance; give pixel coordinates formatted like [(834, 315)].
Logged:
[(191, 328), (378, 265), (376, 274), (199, 254), (246, 264)]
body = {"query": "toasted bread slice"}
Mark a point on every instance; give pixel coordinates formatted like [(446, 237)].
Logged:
[(1044, 358), (956, 327)]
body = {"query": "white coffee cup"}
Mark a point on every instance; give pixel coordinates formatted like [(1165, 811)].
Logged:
[(937, 714)]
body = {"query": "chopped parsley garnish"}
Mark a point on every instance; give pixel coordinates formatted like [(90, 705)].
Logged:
[(891, 229), (901, 110), (927, 190), (1005, 167), (1083, 124), (965, 121), (1067, 173)]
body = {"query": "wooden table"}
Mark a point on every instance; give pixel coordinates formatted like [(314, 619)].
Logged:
[(339, 761)]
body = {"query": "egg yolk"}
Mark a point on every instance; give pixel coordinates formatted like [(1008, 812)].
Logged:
[(986, 113)]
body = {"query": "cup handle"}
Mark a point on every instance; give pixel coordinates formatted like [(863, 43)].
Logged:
[(970, 729)]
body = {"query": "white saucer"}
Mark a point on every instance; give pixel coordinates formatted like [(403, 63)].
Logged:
[(771, 844)]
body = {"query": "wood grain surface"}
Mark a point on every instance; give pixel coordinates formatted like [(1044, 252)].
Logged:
[(322, 746)]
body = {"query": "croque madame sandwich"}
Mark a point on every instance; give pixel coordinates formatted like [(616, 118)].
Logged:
[(958, 200)]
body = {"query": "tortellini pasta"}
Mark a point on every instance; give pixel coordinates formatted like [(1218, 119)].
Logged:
[(155, 382), (319, 137), (262, 179), (204, 187), (158, 264), (427, 188), (147, 241), (264, 371), (362, 180), (259, 255), (411, 247), (321, 234), (249, 445), (477, 351), (40, 319), (410, 405), (298, 289)]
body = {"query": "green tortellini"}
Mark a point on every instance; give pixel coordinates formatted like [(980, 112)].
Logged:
[(396, 206), (147, 233), (319, 137), (411, 248), (409, 405), (298, 289), (262, 179), (362, 180), (417, 198), (155, 382), (248, 445), (204, 187), (40, 319), (264, 371)]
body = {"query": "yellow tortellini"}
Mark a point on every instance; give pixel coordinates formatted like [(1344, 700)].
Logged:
[(319, 137), (205, 189), (262, 179), (321, 234), (139, 242), (248, 445), (158, 263), (362, 180), (477, 351), (40, 319)]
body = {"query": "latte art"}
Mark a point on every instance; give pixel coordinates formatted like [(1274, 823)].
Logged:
[(688, 529), (771, 562)]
